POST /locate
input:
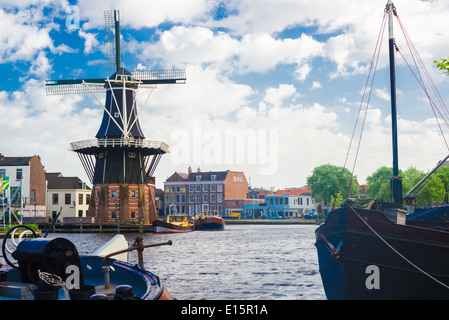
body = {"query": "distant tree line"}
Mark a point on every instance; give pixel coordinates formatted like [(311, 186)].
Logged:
[(333, 184)]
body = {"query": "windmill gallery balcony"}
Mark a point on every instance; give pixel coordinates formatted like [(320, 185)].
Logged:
[(90, 145)]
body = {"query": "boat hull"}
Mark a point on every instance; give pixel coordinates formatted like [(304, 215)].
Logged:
[(145, 284), (392, 262), (160, 226), (210, 224)]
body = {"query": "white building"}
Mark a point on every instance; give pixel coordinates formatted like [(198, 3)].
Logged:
[(68, 194), (27, 186)]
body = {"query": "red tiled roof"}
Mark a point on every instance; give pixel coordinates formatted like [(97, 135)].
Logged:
[(293, 192)]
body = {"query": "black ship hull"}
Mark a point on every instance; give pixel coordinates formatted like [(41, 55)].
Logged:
[(364, 255)]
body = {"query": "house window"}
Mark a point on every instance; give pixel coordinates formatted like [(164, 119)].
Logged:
[(198, 188), (198, 198), (213, 197), (205, 198), (133, 193), (80, 213), (191, 198), (68, 198), (219, 188), (113, 194), (191, 188), (18, 174), (80, 199), (87, 198), (205, 188), (213, 188), (33, 195), (132, 215), (167, 198), (219, 197), (213, 177), (183, 198), (55, 198)]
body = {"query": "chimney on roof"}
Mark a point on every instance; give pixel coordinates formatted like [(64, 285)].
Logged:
[(189, 170), (1, 156), (198, 170)]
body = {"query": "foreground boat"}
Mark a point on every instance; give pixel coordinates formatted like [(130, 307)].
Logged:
[(364, 255), (51, 269), (175, 223), (209, 220), (370, 250)]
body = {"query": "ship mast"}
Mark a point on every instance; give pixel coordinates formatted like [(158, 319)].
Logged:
[(396, 181)]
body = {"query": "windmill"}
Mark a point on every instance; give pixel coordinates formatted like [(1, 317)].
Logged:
[(119, 162)]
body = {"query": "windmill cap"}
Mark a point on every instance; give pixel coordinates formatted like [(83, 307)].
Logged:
[(121, 71)]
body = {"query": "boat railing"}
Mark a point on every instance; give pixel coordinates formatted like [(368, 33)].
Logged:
[(139, 246)]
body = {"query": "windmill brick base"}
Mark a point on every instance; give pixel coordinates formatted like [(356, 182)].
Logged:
[(123, 203)]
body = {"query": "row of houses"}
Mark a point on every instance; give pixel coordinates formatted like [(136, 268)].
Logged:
[(38, 194), (34, 193), (228, 193)]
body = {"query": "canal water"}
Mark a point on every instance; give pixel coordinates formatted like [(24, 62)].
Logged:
[(243, 262)]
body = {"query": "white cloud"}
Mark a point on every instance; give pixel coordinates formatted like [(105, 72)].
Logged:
[(20, 40), (316, 85), (145, 13), (90, 41), (276, 96)]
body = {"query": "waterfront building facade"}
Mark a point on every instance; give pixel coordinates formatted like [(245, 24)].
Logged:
[(193, 192), (27, 185), (68, 194), (289, 203)]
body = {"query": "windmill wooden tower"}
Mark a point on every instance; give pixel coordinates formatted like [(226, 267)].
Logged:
[(119, 162)]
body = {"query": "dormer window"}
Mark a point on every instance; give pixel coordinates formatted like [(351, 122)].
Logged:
[(198, 178)]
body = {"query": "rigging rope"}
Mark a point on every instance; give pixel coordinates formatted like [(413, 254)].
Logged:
[(374, 62), (419, 78)]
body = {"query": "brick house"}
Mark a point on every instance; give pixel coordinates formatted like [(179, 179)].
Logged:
[(192, 192), (27, 180)]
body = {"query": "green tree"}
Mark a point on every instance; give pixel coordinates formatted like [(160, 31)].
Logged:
[(431, 190), (443, 173), (442, 65), (375, 181), (328, 180)]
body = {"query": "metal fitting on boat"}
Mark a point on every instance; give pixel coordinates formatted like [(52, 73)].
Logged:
[(107, 281)]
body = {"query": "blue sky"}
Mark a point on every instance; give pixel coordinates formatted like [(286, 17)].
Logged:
[(287, 74)]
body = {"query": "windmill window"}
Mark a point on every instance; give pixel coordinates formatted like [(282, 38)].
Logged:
[(100, 155), (116, 114), (132, 155)]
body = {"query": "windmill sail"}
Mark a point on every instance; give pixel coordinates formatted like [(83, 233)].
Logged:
[(112, 24)]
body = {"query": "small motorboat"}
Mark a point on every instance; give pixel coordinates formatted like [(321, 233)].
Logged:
[(174, 223), (209, 220), (52, 269)]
